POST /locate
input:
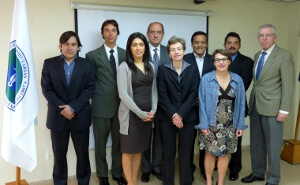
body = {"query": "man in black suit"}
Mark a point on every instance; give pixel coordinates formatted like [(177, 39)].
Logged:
[(155, 34), (241, 65), (202, 60), (68, 82)]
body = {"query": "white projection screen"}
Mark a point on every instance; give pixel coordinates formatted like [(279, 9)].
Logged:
[(89, 21), (89, 26)]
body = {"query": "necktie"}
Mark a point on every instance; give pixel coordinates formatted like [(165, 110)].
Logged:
[(260, 64), (155, 60), (113, 62)]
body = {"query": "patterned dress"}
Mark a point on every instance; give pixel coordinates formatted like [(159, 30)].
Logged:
[(222, 139)]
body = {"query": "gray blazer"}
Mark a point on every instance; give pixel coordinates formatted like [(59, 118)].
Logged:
[(274, 89), (105, 100), (124, 77)]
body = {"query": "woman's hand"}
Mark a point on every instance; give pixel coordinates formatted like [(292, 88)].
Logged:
[(205, 132), (177, 120), (239, 133), (149, 117)]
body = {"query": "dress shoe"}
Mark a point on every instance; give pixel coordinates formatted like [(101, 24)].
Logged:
[(104, 181), (269, 183), (233, 177), (120, 180), (145, 177), (157, 174), (251, 178)]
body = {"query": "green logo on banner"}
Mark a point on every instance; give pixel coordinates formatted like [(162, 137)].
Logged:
[(17, 76)]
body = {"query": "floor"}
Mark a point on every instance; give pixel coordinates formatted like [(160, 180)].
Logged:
[(290, 175)]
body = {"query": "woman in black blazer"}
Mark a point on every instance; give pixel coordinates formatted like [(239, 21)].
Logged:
[(177, 84)]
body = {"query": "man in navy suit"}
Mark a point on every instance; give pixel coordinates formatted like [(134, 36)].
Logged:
[(241, 65), (68, 83), (202, 60), (155, 34)]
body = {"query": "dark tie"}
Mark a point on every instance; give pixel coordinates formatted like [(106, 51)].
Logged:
[(260, 64), (155, 60), (113, 62)]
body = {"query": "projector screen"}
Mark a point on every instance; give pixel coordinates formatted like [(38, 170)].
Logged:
[(88, 23)]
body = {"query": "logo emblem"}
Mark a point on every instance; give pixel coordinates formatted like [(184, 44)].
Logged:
[(17, 77)]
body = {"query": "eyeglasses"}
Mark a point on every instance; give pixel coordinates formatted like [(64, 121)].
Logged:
[(265, 36), (218, 60)]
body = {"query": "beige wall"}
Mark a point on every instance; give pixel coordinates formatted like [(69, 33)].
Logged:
[(48, 19)]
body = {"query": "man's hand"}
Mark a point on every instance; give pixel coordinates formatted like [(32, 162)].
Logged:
[(281, 117), (66, 112)]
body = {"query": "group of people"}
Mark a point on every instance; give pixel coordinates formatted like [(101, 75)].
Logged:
[(150, 95)]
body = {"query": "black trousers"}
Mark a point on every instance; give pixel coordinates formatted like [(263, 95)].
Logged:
[(60, 143), (169, 134)]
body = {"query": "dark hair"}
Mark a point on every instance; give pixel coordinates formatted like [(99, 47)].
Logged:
[(174, 40), (199, 33), (162, 26), (222, 52), (67, 35), (129, 57), (112, 22), (232, 34)]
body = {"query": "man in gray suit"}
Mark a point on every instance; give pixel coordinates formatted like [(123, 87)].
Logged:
[(270, 102), (105, 102), (159, 56)]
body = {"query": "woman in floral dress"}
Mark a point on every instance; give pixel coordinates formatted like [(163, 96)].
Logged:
[(222, 114)]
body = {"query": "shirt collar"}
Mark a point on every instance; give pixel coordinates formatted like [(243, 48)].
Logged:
[(151, 48), (197, 56), (269, 51), (171, 66)]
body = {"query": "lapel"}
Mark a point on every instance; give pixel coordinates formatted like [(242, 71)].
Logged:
[(268, 63), (60, 68), (77, 68), (104, 59), (206, 64)]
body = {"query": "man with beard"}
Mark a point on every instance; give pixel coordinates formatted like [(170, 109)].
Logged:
[(241, 65)]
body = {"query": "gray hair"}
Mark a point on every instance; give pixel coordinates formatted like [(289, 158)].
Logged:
[(274, 31)]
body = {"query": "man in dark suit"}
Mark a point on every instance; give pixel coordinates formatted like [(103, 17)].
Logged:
[(105, 102), (241, 65), (68, 83), (159, 56), (202, 60), (270, 102)]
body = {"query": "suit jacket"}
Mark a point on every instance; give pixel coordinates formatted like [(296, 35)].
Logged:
[(164, 55), (175, 97), (274, 89), (208, 65), (77, 94), (105, 101), (243, 66)]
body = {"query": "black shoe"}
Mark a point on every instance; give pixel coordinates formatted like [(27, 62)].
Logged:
[(157, 174), (120, 180), (217, 183), (233, 177), (145, 177), (104, 181), (269, 183), (251, 178), (193, 168)]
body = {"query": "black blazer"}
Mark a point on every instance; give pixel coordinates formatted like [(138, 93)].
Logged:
[(208, 65), (243, 66), (77, 95), (175, 97)]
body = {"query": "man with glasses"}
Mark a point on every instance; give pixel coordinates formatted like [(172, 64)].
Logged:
[(159, 56), (241, 65), (270, 102)]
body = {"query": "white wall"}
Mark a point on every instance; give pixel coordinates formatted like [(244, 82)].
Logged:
[(48, 19)]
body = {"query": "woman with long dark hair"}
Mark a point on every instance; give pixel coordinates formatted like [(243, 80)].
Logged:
[(138, 94)]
